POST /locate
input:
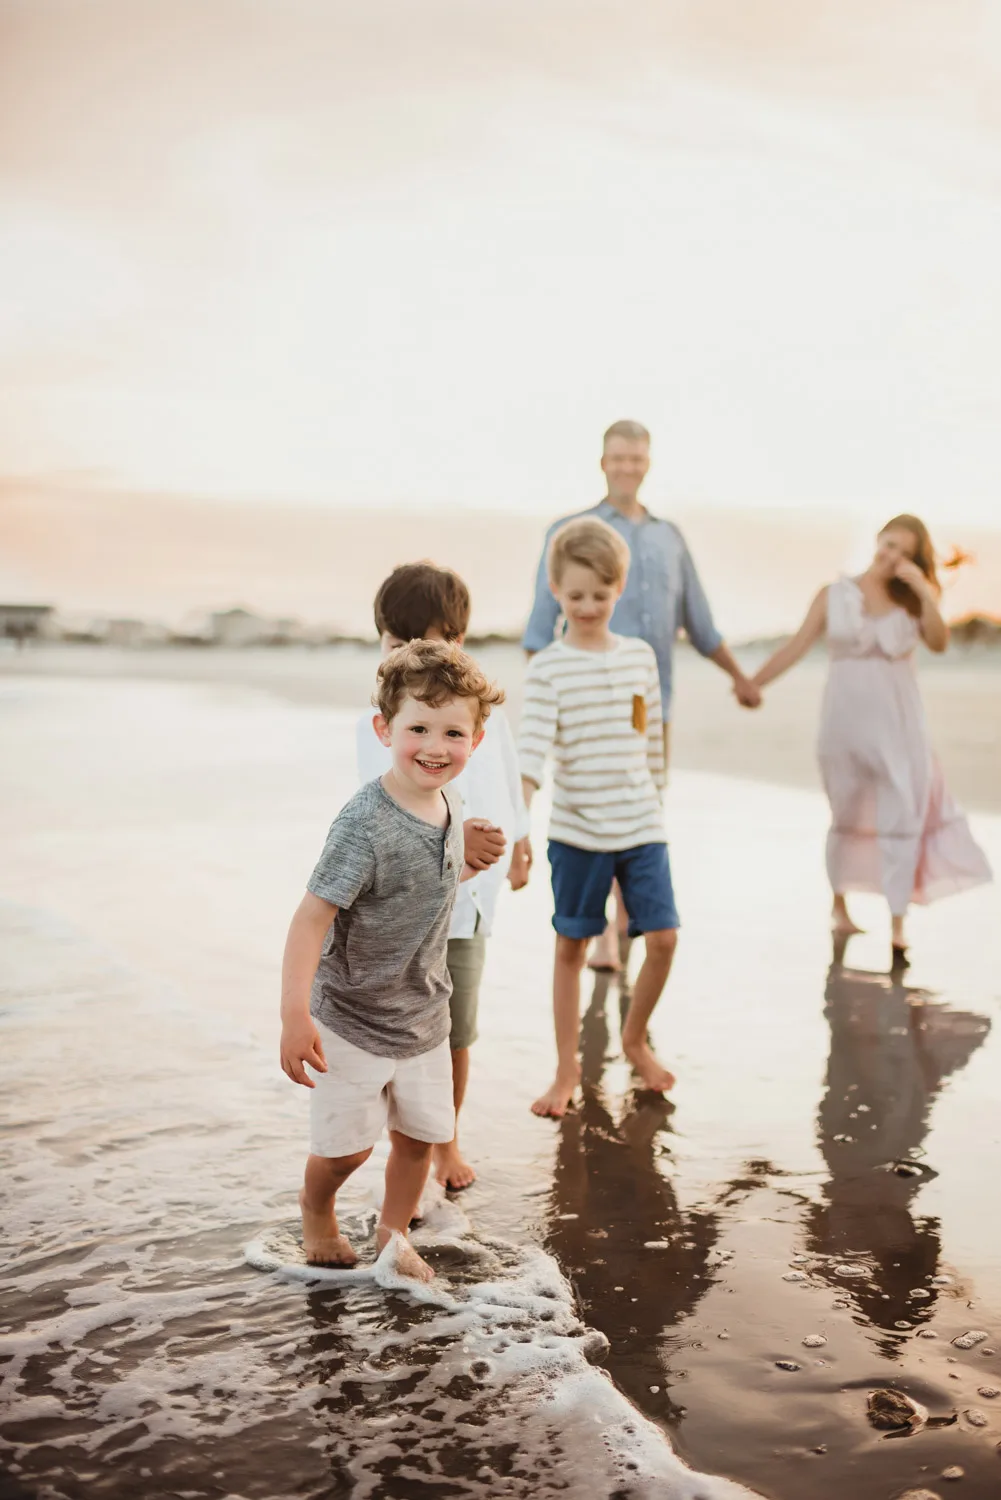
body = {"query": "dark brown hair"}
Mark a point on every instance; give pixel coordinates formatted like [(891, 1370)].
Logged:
[(419, 596), (433, 672), (924, 557)]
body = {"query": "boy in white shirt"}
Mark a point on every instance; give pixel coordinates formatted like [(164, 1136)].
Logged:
[(592, 701), (423, 601)]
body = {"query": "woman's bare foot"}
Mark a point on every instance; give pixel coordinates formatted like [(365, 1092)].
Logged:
[(408, 1262), (322, 1239), (841, 923), (898, 936), (653, 1074), (451, 1168), (556, 1100)]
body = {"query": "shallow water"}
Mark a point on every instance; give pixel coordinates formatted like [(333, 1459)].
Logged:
[(156, 838)]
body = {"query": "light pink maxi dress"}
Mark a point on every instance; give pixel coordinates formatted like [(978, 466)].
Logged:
[(894, 828)]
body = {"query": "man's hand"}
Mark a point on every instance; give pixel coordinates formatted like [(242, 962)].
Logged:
[(301, 1044), (485, 843), (747, 695), (521, 864)]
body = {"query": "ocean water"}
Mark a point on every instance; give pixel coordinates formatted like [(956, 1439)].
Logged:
[(616, 1297)]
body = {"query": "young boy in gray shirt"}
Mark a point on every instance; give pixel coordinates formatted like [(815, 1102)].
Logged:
[(365, 986)]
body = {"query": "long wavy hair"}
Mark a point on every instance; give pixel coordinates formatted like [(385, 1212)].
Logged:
[(924, 557)]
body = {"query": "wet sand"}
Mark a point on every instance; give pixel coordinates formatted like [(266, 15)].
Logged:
[(962, 694), (157, 835)]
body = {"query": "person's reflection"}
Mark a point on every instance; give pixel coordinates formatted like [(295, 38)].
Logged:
[(610, 1200), (892, 1048)]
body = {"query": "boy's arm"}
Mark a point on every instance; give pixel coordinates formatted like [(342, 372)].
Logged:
[(300, 1043), (655, 727), (537, 735)]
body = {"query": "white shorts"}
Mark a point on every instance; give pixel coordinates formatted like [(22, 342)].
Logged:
[(360, 1094)]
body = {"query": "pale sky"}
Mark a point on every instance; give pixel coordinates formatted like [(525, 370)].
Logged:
[(421, 254)]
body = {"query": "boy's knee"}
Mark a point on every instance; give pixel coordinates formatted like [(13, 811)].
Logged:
[(409, 1146), (662, 944), (351, 1163), (571, 951)]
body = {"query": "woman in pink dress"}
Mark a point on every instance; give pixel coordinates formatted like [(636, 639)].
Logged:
[(894, 828)]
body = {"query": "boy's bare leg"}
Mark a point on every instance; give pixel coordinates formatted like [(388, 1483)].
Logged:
[(450, 1167), (604, 955), (406, 1173), (649, 987), (569, 961), (321, 1236)]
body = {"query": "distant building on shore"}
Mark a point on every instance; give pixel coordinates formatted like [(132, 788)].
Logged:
[(25, 622)]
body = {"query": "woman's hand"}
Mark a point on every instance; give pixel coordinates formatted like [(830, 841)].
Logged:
[(908, 572)]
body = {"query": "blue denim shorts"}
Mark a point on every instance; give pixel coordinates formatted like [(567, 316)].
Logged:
[(582, 882)]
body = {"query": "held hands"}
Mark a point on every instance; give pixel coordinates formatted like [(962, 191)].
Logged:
[(521, 864), (485, 843), (747, 692), (300, 1044)]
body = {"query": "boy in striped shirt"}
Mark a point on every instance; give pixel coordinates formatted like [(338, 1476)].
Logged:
[(592, 701)]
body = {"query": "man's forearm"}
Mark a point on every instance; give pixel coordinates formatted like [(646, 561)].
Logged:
[(725, 659)]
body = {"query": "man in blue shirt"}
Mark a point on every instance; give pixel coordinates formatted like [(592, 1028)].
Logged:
[(662, 595)]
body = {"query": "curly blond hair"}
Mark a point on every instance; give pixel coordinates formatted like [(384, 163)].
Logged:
[(433, 672)]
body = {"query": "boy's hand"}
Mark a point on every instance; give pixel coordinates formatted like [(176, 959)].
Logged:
[(485, 843), (521, 864), (300, 1044)]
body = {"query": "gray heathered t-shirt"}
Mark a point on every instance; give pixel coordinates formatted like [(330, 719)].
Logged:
[(382, 982)]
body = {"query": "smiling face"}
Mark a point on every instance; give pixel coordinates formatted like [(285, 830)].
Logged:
[(894, 543), (586, 600), (625, 463), (430, 745)]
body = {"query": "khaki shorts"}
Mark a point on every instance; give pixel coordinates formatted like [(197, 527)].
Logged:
[(360, 1095), (466, 957)]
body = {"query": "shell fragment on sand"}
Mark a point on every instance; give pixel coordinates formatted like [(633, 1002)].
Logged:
[(893, 1411)]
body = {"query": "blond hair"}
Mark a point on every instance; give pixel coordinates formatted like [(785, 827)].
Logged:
[(591, 544), (433, 672), (633, 432)]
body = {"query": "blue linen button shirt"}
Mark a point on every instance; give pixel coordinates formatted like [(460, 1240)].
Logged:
[(663, 593)]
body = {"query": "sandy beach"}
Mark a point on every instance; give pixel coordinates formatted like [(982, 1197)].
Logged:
[(962, 694), (715, 1282)]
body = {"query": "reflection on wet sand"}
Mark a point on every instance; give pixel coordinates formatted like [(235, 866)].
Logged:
[(611, 1201), (892, 1048)]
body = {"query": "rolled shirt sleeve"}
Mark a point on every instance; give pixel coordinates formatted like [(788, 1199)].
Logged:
[(696, 616)]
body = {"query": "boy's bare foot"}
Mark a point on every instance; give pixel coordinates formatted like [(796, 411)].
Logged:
[(555, 1101), (452, 1169), (408, 1262), (604, 955), (322, 1239), (653, 1074)]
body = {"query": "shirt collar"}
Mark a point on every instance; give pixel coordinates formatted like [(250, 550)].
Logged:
[(606, 510)]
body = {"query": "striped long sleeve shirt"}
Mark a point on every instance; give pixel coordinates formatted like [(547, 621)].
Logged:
[(598, 714)]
